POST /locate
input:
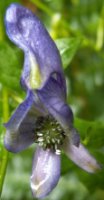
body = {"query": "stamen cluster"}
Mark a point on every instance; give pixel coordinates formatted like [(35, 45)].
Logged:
[(49, 133)]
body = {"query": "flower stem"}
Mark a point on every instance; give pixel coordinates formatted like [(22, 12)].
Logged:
[(4, 156), (2, 32), (43, 7)]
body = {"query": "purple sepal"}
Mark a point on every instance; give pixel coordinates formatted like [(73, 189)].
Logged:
[(21, 126), (51, 95), (45, 172), (27, 32), (81, 156)]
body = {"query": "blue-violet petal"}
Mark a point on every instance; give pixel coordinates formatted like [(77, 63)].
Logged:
[(45, 172), (80, 156), (41, 54), (51, 95), (21, 126)]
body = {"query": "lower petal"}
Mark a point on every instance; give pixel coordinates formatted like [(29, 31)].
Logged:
[(45, 172), (80, 156)]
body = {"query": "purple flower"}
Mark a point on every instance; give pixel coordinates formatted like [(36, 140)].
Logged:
[(44, 116)]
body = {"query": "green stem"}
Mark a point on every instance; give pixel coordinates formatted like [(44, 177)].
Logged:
[(4, 159), (1, 29), (43, 7), (2, 32)]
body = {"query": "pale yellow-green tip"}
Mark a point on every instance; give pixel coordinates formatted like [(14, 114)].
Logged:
[(35, 75)]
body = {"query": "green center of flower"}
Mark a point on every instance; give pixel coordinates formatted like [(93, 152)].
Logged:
[(49, 134)]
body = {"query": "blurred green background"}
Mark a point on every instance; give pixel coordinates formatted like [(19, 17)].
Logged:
[(77, 26)]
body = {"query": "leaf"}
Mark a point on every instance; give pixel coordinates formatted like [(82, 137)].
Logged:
[(67, 48), (10, 65), (92, 133)]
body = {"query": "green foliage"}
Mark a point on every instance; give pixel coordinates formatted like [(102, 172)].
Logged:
[(10, 66), (67, 48)]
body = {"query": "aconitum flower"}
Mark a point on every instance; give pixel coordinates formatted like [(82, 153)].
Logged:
[(44, 116)]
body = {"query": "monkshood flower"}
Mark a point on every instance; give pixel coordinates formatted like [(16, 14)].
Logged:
[(44, 116)]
